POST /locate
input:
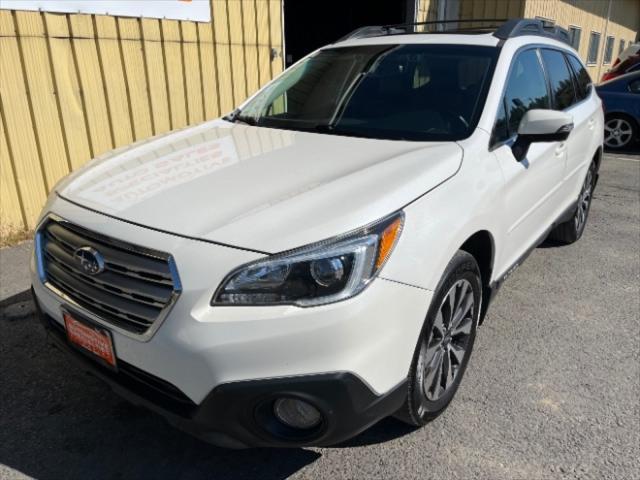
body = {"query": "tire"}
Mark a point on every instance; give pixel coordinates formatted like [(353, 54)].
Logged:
[(619, 131), (431, 389), (571, 230)]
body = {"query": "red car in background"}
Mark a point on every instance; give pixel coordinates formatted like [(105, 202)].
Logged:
[(627, 62)]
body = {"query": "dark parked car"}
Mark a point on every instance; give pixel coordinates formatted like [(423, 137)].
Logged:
[(621, 99)]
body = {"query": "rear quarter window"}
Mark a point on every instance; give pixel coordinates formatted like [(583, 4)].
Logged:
[(562, 90), (583, 80)]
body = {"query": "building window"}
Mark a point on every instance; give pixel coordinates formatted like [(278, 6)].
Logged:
[(608, 51), (546, 20), (594, 45), (621, 47), (574, 36)]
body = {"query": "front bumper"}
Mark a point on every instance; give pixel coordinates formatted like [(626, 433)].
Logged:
[(212, 359), (239, 414)]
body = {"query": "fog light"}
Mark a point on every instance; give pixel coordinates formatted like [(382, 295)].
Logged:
[(296, 413)]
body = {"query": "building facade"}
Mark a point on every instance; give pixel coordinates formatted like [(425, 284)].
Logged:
[(600, 29), (73, 86)]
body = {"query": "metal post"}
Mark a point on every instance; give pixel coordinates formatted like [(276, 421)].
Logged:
[(604, 44)]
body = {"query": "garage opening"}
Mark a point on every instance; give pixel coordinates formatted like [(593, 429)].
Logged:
[(310, 25)]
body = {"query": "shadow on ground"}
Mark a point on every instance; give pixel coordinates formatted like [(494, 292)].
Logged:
[(60, 422)]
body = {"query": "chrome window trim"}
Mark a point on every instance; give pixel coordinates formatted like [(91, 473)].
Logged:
[(65, 299)]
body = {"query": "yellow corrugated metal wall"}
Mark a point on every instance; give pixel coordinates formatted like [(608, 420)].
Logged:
[(74, 86), (588, 15), (591, 16), (467, 9), (491, 8), (426, 11)]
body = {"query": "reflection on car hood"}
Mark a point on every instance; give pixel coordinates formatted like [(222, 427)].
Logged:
[(259, 188)]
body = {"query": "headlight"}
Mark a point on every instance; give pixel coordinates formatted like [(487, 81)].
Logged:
[(324, 272)]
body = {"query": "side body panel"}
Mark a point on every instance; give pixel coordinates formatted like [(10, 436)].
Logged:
[(515, 202), (438, 223), (532, 197), (586, 137)]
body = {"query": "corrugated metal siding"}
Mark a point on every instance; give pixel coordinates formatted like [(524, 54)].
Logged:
[(427, 10), (591, 15), (74, 86), (491, 9)]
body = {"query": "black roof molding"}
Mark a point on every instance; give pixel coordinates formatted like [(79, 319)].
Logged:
[(518, 27), (500, 27)]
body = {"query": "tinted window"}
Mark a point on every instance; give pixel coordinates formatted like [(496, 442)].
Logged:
[(399, 92), (526, 89), (501, 128), (562, 91), (582, 77)]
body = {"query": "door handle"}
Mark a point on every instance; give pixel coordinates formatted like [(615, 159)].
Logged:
[(591, 123), (561, 148)]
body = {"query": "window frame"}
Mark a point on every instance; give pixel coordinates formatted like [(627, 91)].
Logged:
[(493, 143), (552, 100), (574, 74), (590, 62), (606, 52), (578, 29)]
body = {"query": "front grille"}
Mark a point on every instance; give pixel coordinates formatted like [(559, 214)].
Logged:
[(133, 292)]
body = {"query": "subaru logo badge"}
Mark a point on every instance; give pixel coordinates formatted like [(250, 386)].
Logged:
[(90, 260)]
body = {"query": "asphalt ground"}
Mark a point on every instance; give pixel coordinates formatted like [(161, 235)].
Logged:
[(552, 390)]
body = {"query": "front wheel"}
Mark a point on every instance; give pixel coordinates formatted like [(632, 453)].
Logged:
[(445, 343)]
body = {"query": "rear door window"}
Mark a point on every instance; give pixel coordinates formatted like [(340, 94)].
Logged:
[(562, 91), (583, 80)]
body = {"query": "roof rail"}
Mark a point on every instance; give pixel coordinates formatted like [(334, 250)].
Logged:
[(411, 28), (518, 27), (501, 28)]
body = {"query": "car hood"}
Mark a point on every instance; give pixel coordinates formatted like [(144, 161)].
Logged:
[(259, 188)]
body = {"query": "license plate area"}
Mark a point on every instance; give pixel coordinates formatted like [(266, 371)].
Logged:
[(90, 339)]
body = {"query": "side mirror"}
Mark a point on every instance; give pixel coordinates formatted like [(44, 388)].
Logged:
[(541, 126)]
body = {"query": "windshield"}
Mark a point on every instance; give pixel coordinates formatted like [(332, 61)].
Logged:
[(398, 92)]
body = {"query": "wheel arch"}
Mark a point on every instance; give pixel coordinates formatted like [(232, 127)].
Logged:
[(481, 245), (598, 157)]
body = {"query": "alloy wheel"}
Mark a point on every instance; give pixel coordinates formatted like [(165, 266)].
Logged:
[(618, 133), (448, 340)]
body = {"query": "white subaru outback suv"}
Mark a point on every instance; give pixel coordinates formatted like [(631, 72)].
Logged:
[(321, 258)]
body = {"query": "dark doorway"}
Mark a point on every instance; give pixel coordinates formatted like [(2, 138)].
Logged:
[(310, 25)]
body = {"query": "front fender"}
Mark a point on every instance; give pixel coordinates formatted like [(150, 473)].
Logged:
[(439, 223)]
